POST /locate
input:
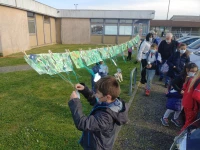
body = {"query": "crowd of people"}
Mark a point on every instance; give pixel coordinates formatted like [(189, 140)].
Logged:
[(168, 59), (171, 61)]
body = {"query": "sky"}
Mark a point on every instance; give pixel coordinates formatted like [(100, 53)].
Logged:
[(177, 7)]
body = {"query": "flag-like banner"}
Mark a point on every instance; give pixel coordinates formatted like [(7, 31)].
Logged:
[(54, 63)]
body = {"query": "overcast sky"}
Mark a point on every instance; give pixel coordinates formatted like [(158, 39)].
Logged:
[(177, 7)]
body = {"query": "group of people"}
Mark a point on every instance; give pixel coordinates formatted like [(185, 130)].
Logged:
[(181, 76), (171, 61)]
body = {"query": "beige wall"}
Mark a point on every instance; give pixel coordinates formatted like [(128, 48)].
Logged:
[(109, 40), (40, 29), (96, 39), (13, 30), (33, 40), (47, 33), (58, 31), (75, 31), (122, 39), (53, 30)]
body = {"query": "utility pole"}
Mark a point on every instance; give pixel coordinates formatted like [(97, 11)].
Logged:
[(168, 9), (75, 6)]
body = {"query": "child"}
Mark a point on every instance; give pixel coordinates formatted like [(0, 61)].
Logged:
[(153, 59), (174, 98), (108, 112), (177, 62), (191, 90), (101, 69), (129, 53)]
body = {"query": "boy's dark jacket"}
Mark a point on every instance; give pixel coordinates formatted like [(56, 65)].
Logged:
[(100, 126)]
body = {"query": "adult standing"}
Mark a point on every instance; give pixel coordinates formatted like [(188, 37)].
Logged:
[(141, 57), (167, 48)]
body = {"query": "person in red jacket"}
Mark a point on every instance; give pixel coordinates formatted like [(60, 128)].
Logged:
[(189, 103)]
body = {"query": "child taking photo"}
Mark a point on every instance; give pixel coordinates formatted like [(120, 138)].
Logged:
[(108, 112)]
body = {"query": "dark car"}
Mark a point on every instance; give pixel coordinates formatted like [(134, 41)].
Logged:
[(189, 139)]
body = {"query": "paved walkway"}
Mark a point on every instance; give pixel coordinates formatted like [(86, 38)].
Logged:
[(145, 131), (14, 68)]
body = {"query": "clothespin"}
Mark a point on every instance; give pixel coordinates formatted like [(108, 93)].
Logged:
[(25, 53)]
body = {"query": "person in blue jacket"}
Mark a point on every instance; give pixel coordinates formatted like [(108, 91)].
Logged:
[(108, 112), (177, 62)]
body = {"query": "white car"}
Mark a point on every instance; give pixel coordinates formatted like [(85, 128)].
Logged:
[(195, 57), (189, 40), (182, 38), (195, 46)]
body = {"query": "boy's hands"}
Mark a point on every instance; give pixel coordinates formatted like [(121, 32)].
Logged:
[(73, 95), (79, 87), (149, 66)]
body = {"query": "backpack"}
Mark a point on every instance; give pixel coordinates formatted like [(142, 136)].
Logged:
[(142, 40), (147, 54)]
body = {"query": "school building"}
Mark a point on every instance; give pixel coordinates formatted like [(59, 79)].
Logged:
[(179, 25), (25, 24)]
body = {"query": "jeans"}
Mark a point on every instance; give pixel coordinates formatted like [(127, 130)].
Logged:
[(150, 75)]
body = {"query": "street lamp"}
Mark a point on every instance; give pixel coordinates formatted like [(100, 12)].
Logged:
[(168, 9), (75, 6)]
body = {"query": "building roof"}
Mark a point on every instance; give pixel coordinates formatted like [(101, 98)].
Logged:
[(125, 14), (37, 7), (185, 18), (171, 23)]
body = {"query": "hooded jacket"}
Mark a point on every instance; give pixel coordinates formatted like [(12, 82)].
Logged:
[(100, 126), (179, 62)]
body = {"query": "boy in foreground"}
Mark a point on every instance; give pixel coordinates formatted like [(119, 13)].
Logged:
[(108, 113)]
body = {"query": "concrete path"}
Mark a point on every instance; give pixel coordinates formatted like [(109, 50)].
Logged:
[(145, 131), (14, 68)]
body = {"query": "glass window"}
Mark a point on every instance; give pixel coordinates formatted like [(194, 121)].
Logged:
[(97, 29), (111, 21), (125, 30), (110, 29), (30, 14), (96, 20), (126, 21), (46, 19), (140, 27), (31, 26)]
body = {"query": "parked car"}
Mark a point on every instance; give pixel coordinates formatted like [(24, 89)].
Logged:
[(195, 46), (182, 38), (189, 40), (195, 57), (189, 139)]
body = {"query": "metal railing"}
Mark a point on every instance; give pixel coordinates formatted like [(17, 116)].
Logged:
[(133, 78)]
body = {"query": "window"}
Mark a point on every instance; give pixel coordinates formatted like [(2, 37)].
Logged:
[(125, 30), (97, 29), (110, 29), (111, 26), (46, 19), (126, 21), (97, 26), (96, 20), (111, 21), (31, 22), (140, 27), (30, 14), (31, 26)]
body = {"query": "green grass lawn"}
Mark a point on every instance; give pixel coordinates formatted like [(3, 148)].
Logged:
[(34, 113), (17, 59)]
